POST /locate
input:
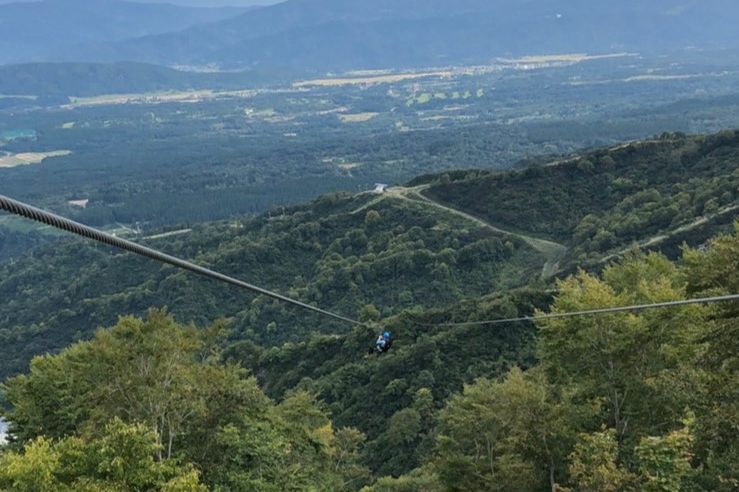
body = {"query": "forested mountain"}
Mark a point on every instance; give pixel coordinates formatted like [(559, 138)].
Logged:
[(620, 402), (41, 30), (346, 252), (92, 79), (190, 3), (542, 299), (320, 35), (324, 35), (267, 398), (609, 403), (438, 241), (607, 199)]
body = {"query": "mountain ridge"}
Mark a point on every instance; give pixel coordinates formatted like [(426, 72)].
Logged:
[(383, 34), (347, 251), (92, 79), (37, 31)]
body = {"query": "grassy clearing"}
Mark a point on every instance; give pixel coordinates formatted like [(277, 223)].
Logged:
[(79, 203), (28, 158), (378, 79), (169, 234), (563, 58), (357, 118), (349, 166), (341, 163), (155, 98), (427, 97), (423, 98)]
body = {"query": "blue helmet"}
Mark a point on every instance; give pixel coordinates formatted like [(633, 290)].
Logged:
[(386, 335)]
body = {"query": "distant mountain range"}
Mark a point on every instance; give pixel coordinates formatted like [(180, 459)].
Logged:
[(41, 31), (332, 35), (92, 79)]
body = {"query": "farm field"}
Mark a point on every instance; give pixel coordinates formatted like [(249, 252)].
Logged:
[(371, 79), (28, 158)]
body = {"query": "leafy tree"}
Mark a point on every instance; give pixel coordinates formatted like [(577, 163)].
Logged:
[(395, 449), (372, 217), (406, 438), (31, 472), (594, 464), (665, 462), (122, 458), (420, 480), (640, 366), (501, 436), (369, 312), (345, 449), (293, 447), (713, 272), (153, 371), (168, 379)]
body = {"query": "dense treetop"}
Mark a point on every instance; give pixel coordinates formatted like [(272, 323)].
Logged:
[(267, 398), (346, 252), (607, 199), (620, 402)]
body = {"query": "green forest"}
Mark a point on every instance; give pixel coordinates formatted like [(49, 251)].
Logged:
[(621, 402), (211, 389), (378, 256), (369, 246), (606, 199)]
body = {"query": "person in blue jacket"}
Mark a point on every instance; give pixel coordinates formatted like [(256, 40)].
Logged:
[(380, 344), (384, 342)]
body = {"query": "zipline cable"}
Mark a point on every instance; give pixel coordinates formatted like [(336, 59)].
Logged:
[(592, 312), (53, 220), (19, 208)]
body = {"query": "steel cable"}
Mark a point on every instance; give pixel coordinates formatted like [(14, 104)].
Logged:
[(592, 312), (58, 222), (33, 213)]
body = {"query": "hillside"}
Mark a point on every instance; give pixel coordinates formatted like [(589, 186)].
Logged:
[(413, 260), (440, 240), (93, 79), (448, 409), (606, 200), (396, 400), (344, 252), (35, 31), (324, 35)]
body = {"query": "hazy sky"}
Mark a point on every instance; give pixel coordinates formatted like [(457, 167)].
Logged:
[(197, 3)]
